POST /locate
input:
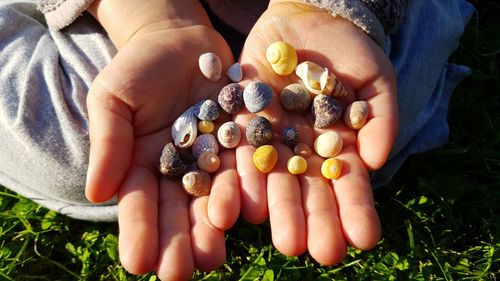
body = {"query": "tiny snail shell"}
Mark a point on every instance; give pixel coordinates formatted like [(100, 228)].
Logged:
[(339, 90), (328, 144), (302, 149), (265, 158), (282, 57), (206, 110), (296, 165), (331, 168), (231, 98), (355, 114), (210, 66), (257, 96), (175, 163), (229, 134), (206, 127), (259, 131), (234, 72), (326, 111), (185, 129), (290, 136), (208, 162), (205, 142), (197, 183), (295, 98)]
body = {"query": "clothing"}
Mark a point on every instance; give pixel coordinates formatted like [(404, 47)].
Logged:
[(45, 75)]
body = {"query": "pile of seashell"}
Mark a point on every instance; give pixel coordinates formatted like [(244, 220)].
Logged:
[(193, 155)]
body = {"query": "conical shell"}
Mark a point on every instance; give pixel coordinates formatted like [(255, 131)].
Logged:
[(197, 183), (175, 163), (295, 98), (231, 98), (328, 144), (234, 72), (205, 142), (290, 136), (208, 162), (318, 80), (210, 66), (185, 129), (259, 131), (355, 114), (206, 110), (282, 57), (257, 96), (326, 111), (229, 134)]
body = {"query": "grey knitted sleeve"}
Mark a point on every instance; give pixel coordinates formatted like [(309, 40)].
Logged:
[(60, 13), (376, 17)]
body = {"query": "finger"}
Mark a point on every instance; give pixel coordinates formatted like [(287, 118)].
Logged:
[(224, 199), (138, 220), (325, 239), (111, 142), (288, 227), (357, 212), (208, 243), (176, 260)]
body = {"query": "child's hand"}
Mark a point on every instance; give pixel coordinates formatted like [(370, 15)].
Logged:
[(132, 103), (308, 212)]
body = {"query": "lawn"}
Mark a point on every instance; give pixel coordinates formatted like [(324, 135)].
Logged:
[(440, 215)]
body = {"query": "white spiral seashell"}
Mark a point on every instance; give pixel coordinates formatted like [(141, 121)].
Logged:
[(229, 134), (185, 129), (234, 72), (210, 66), (205, 142)]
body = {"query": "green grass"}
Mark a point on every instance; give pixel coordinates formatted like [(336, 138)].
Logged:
[(440, 215)]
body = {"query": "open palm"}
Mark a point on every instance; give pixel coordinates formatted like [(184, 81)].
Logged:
[(308, 212), (132, 105)]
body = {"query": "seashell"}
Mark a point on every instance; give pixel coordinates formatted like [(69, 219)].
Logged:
[(229, 134), (290, 136), (295, 98), (331, 168), (184, 129), (206, 127), (326, 111), (355, 114), (302, 149), (318, 80), (206, 110), (210, 66), (328, 144), (282, 57), (208, 162), (197, 183), (205, 142), (296, 165), (265, 158), (175, 163), (257, 96), (234, 72), (259, 131), (231, 98)]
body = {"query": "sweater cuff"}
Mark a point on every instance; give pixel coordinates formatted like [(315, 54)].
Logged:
[(356, 12), (61, 13)]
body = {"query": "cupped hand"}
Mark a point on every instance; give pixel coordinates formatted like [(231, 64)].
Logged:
[(132, 104), (308, 212)]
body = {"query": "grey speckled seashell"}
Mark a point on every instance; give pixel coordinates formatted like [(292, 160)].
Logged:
[(206, 110), (229, 134), (174, 163), (185, 129), (259, 131), (290, 136), (231, 98), (326, 111), (234, 72), (210, 66), (205, 142), (296, 98), (257, 96), (197, 183)]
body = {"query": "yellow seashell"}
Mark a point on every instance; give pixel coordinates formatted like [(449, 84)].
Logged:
[(328, 144), (296, 165), (356, 114), (331, 168), (302, 149), (282, 57), (208, 161), (265, 158), (206, 127)]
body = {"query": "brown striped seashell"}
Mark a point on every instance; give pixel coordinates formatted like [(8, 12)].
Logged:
[(318, 80), (197, 183)]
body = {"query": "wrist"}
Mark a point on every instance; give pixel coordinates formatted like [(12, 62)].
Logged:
[(125, 19)]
